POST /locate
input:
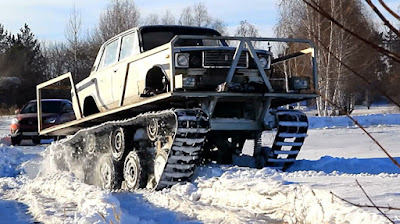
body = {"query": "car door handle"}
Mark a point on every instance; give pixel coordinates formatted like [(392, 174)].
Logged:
[(115, 70)]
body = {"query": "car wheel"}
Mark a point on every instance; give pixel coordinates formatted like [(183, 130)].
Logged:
[(36, 140), (16, 140)]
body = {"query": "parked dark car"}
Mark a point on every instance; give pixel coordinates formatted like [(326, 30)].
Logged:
[(25, 124)]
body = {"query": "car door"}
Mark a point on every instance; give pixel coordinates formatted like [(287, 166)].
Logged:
[(104, 75), (129, 47)]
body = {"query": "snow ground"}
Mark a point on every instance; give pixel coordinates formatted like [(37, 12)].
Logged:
[(333, 157)]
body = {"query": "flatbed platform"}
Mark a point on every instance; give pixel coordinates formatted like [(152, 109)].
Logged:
[(149, 104)]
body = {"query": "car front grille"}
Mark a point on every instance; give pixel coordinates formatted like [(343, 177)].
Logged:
[(28, 121), (223, 59)]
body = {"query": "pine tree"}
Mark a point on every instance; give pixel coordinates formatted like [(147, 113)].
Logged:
[(26, 61)]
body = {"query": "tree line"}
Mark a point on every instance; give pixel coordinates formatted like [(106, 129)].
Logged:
[(335, 46)]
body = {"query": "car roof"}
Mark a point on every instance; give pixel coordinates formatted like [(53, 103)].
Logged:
[(178, 27), (52, 100), (162, 28)]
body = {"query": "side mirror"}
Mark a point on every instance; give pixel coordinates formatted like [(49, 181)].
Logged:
[(66, 110), (17, 111)]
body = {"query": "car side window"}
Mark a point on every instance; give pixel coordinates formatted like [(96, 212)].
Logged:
[(110, 54), (129, 46)]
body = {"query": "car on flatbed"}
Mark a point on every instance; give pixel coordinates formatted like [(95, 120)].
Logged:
[(25, 125), (139, 61)]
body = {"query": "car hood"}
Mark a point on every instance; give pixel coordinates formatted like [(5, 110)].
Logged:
[(34, 115)]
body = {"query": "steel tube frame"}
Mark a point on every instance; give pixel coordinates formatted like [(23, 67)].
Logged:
[(247, 41), (50, 85)]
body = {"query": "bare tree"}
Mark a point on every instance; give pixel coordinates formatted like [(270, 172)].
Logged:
[(119, 16), (220, 26), (200, 15), (152, 19), (168, 18), (56, 54), (186, 17), (72, 34), (299, 20), (197, 15), (246, 29)]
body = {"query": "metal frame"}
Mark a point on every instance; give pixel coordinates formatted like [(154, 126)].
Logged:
[(247, 41), (51, 85)]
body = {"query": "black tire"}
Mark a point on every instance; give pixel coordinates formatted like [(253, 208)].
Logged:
[(36, 140), (121, 141), (135, 175), (107, 173), (16, 140)]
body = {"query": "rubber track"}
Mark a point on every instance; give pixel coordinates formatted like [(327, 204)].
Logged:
[(187, 127), (184, 154), (291, 132)]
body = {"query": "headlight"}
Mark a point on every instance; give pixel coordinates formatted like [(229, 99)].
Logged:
[(263, 62), (182, 60), (14, 120), (189, 81), (50, 120)]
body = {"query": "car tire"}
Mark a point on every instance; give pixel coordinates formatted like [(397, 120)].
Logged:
[(16, 140), (36, 140)]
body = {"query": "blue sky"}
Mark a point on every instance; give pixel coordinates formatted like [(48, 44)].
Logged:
[(47, 18)]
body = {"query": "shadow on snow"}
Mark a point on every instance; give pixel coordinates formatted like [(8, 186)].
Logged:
[(329, 164)]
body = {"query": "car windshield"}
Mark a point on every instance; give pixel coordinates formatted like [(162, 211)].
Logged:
[(154, 37), (47, 107)]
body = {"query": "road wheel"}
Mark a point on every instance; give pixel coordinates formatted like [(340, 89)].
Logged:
[(135, 175), (91, 144), (152, 129), (120, 141), (36, 140), (159, 165), (16, 140), (107, 173)]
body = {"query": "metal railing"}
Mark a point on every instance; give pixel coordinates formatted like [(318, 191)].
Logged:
[(246, 43)]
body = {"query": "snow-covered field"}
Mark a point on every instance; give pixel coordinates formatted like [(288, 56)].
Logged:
[(334, 156)]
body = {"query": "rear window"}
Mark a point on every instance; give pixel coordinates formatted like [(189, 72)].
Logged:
[(154, 37), (47, 107)]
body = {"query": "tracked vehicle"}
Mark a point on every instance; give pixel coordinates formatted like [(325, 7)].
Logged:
[(161, 100)]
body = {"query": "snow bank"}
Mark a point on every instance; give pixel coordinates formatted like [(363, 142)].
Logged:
[(10, 159), (52, 195), (62, 198), (344, 121), (249, 194)]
